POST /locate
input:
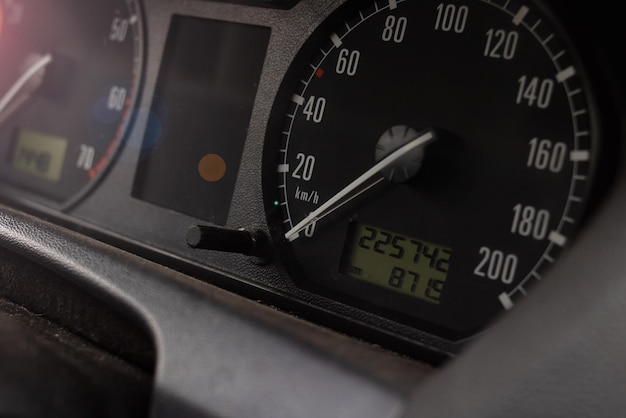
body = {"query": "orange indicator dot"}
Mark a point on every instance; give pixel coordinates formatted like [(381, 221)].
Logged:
[(212, 168)]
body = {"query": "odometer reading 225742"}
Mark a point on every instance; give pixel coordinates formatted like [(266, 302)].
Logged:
[(433, 158)]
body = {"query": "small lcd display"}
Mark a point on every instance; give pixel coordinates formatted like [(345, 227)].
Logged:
[(396, 262), (39, 154), (200, 116)]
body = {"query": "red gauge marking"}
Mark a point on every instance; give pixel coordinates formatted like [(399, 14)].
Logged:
[(319, 73), (1, 19), (93, 172)]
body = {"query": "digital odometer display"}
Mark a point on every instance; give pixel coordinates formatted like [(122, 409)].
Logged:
[(430, 126), (40, 154), (407, 265)]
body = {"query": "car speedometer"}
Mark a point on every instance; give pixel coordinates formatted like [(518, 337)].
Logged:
[(429, 159)]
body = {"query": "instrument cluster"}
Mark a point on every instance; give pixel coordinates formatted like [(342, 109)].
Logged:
[(402, 170)]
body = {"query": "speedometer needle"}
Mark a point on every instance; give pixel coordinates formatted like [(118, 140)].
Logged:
[(344, 195), (26, 84)]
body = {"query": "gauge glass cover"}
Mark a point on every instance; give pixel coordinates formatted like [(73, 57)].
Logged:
[(445, 233)]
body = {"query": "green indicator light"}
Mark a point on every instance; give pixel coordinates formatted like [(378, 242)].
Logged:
[(276, 203)]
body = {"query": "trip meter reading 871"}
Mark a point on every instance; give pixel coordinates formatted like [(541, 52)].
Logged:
[(428, 160)]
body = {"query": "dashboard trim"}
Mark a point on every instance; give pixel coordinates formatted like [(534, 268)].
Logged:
[(229, 375)]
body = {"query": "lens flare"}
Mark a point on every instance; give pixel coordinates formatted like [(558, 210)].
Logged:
[(1, 19)]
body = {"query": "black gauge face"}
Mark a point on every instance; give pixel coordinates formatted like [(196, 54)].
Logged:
[(430, 159), (69, 77)]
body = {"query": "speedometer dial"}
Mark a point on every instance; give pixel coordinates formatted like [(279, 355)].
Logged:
[(69, 76), (430, 159)]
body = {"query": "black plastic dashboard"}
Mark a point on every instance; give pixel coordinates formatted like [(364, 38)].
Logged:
[(236, 335)]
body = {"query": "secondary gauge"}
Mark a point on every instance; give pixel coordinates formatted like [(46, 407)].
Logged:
[(427, 160), (70, 77)]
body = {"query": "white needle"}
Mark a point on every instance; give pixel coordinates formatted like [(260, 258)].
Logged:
[(21, 82), (337, 200)]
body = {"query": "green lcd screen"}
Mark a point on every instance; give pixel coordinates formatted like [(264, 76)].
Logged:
[(396, 262), (40, 154)]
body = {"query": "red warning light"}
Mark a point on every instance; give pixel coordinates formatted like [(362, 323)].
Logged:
[(319, 73)]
